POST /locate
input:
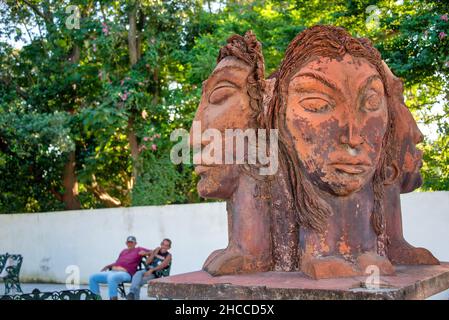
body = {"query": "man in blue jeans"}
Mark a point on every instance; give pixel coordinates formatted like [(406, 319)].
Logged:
[(120, 271), (158, 261)]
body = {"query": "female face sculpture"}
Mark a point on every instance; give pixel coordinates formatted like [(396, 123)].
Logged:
[(224, 105), (408, 158), (329, 104), (404, 176), (230, 100), (412, 161), (336, 114)]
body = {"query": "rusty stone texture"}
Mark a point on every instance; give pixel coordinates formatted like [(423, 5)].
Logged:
[(347, 150)]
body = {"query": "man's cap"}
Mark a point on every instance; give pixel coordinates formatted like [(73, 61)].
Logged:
[(131, 239)]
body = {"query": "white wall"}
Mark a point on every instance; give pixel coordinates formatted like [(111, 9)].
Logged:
[(91, 239), (426, 221)]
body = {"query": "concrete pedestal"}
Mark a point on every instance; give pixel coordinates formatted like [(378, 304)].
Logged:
[(409, 282)]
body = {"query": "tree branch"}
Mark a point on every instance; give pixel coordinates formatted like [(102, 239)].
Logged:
[(103, 195), (57, 195), (37, 11)]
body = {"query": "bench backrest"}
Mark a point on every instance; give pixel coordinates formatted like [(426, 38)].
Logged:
[(12, 262), (164, 272), (82, 294), (3, 258)]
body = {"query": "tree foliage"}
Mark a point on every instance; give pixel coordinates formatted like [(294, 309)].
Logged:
[(86, 113)]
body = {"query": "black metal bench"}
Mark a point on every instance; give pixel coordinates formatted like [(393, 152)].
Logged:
[(11, 264), (83, 294)]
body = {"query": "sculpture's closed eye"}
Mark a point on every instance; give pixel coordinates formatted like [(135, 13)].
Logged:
[(315, 104), (222, 92)]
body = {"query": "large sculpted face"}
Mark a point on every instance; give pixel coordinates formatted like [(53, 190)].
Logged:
[(412, 156), (224, 105), (336, 114), (408, 158), (407, 155)]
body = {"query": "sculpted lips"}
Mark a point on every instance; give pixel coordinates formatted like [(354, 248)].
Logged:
[(350, 168), (201, 169), (351, 165)]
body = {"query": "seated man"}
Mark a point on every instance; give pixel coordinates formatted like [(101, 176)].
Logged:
[(120, 271), (158, 260)]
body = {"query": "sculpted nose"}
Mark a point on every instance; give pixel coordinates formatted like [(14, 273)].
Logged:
[(191, 136), (351, 135), (197, 127), (419, 137)]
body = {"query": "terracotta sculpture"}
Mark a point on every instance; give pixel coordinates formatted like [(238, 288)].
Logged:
[(333, 207), (404, 177), (330, 107), (231, 100)]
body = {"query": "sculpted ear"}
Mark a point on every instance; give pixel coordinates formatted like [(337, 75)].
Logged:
[(393, 173)]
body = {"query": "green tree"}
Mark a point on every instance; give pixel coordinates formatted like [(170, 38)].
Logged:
[(81, 108)]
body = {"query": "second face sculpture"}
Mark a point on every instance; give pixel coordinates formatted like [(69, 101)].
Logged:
[(340, 118)]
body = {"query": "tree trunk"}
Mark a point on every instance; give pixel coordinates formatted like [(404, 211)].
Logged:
[(75, 54), (132, 140), (132, 36), (69, 180), (140, 26), (133, 58), (70, 183)]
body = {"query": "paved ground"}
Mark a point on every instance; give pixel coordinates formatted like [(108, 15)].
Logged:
[(48, 287), (45, 287)]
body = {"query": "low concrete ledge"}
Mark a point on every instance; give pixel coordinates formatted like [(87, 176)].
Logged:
[(410, 282)]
